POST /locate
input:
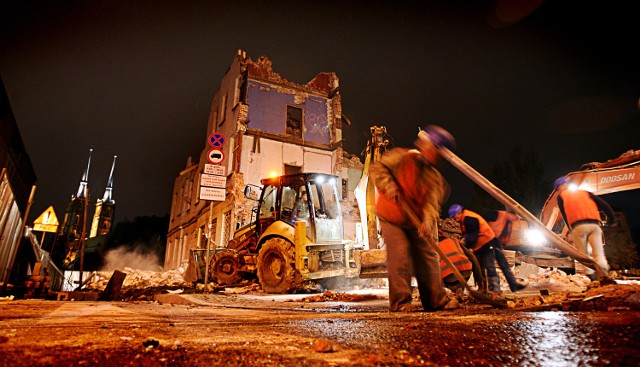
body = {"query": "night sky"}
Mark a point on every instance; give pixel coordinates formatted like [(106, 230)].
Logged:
[(136, 79)]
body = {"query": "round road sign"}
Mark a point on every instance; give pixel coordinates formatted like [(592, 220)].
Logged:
[(216, 140), (215, 156)]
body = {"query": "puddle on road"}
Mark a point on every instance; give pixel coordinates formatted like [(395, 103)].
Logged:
[(553, 339), (534, 339)]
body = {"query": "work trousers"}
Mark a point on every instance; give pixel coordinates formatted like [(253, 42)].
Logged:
[(590, 234), (487, 259), (409, 254), (506, 269), (451, 282)]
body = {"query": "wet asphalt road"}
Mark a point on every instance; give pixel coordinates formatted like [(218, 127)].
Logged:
[(253, 331)]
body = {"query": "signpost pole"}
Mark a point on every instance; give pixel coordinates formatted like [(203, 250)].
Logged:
[(213, 182), (208, 253)]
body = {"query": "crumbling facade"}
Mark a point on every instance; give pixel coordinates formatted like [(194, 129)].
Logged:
[(271, 126)]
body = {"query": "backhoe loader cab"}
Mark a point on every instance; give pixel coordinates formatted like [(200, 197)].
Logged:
[(308, 197), (295, 235)]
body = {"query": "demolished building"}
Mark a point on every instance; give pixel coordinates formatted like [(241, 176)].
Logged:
[(262, 125)]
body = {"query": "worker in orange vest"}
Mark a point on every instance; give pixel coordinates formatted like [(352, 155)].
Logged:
[(501, 222), (580, 210), (453, 251), (480, 238), (409, 176)]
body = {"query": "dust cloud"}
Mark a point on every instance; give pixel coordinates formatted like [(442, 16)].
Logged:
[(121, 258)]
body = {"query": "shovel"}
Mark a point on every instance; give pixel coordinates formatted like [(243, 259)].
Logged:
[(480, 297)]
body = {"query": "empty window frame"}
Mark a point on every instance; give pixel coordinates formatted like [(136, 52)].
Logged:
[(294, 121)]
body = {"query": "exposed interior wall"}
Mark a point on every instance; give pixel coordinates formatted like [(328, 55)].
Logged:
[(273, 155)]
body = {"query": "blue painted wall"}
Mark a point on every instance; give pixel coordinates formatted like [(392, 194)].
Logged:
[(268, 112)]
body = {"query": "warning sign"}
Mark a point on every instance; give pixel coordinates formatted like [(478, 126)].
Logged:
[(47, 221)]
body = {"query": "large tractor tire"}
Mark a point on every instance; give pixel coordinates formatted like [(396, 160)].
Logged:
[(276, 266), (225, 268)]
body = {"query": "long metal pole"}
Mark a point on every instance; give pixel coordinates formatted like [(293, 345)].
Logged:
[(520, 210), (208, 256)]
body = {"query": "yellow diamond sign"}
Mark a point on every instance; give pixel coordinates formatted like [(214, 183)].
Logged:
[(47, 221)]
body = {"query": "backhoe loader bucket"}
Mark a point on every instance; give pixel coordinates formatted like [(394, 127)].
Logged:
[(371, 263)]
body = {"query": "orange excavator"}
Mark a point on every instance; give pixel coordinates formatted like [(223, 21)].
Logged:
[(615, 175)]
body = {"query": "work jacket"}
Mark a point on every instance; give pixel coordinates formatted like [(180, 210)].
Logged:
[(578, 207), (502, 226), (420, 185), (477, 231), (452, 250)]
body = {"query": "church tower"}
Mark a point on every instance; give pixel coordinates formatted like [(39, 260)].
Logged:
[(105, 208), (67, 247)]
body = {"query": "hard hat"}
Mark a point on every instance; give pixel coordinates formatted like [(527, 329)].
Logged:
[(454, 209), (440, 137), (560, 181)]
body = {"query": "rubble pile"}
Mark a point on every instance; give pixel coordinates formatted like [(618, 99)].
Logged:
[(613, 297), (140, 284), (550, 279), (139, 279), (450, 227), (329, 296), (547, 289), (244, 287)]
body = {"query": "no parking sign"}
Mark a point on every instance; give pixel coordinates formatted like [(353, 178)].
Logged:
[(216, 140)]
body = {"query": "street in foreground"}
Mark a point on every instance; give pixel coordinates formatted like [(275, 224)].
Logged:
[(262, 330)]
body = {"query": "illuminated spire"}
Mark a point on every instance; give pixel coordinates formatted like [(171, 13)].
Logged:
[(85, 178), (108, 191)]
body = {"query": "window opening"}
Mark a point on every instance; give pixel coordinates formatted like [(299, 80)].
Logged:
[(294, 121)]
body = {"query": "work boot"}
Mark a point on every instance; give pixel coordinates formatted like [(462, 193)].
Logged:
[(408, 307), (452, 304), (494, 284), (447, 303), (517, 287)]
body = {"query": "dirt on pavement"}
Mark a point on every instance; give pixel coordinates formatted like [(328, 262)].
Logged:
[(244, 327)]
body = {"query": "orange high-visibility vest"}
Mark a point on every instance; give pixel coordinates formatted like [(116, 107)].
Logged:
[(485, 232), (578, 205), (420, 185), (499, 225), (452, 250)]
